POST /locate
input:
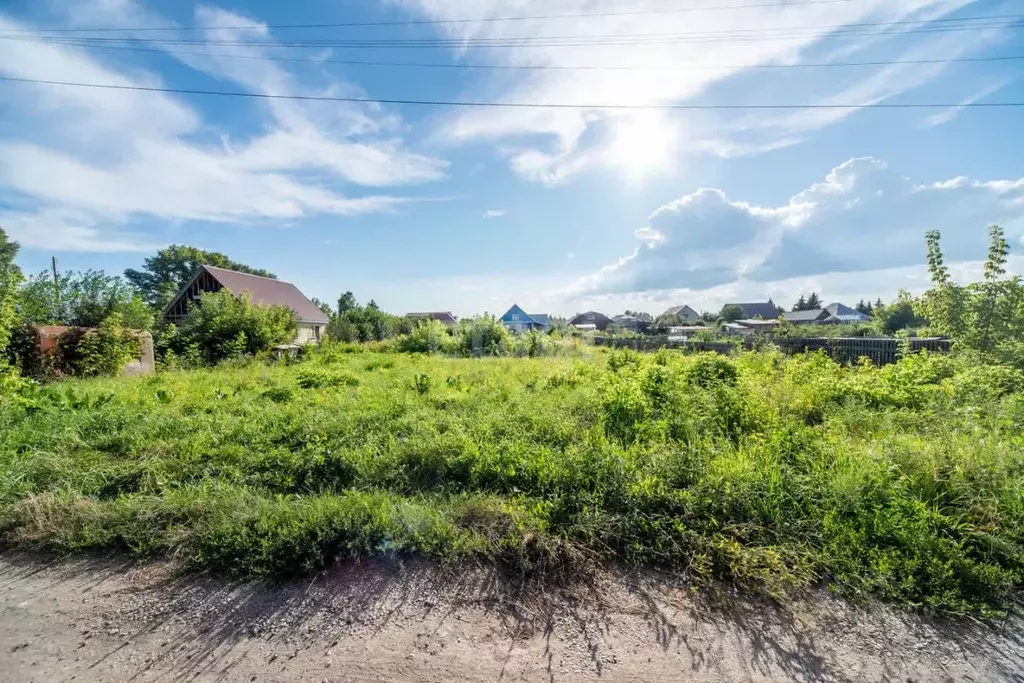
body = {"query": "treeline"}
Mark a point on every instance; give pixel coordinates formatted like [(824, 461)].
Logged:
[(987, 317)]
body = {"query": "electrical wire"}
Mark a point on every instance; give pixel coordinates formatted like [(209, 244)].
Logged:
[(534, 67), (432, 22), (733, 35), (516, 105)]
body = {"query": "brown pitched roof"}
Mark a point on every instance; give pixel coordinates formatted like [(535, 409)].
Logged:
[(443, 316), (269, 292)]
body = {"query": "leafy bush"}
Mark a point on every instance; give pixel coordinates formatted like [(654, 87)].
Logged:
[(226, 326), (92, 353), (317, 379), (709, 369)]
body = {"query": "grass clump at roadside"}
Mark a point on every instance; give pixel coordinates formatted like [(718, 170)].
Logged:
[(769, 472)]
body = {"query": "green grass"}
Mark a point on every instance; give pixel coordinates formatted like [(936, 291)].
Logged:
[(904, 483)]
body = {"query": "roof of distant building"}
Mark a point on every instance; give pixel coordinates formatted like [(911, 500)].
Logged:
[(766, 310), (443, 316), (803, 316), (683, 310), (843, 313)]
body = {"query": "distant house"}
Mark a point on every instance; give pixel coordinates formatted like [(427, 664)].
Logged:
[(591, 320), (263, 291), (445, 317), (518, 320), (684, 312), (631, 323), (844, 314), (684, 332), (759, 325), (766, 310), (832, 314), (814, 316)]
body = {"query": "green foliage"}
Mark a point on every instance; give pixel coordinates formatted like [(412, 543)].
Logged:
[(731, 314), (104, 351), (81, 299), (902, 314), (710, 369), (10, 279), (987, 316), (226, 326), (162, 276), (355, 323), (765, 471), (811, 303), (312, 378)]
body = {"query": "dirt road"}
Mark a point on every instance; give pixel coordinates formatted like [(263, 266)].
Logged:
[(100, 620)]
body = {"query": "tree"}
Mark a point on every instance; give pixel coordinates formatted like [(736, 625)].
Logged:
[(899, 315), (346, 301), (813, 302), (163, 275), (731, 314), (801, 304), (985, 316), (81, 299), (324, 307), (10, 279), (224, 326), (864, 307), (355, 323)]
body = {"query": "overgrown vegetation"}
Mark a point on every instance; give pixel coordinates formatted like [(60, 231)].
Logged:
[(770, 472), (224, 326)]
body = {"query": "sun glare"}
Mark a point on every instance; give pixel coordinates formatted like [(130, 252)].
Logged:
[(641, 145)]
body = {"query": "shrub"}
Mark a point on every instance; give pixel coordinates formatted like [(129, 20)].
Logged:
[(227, 326), (92, 353), (709, 369), (317, 379)]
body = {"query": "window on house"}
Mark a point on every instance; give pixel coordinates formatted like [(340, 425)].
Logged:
[(316, 333)]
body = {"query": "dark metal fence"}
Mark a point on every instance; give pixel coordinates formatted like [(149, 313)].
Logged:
[(881, 350)]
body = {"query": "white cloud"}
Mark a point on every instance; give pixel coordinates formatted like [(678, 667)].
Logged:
[(102, 159), (552, 146), (494, 213), (947, 115), (863, 216)]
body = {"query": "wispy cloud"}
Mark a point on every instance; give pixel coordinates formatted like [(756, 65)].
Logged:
[(553, 146), (100, 160), (494, 213), (948, 115)]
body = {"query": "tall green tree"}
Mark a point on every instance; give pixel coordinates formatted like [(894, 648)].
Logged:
[(813, 302), (986, 316), (801, 304), (164, 274), (82, 299), (10, 279)]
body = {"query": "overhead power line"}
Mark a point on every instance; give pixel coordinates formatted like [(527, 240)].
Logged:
[(731, 35), (537, 67), (517, 105), (432, 22)]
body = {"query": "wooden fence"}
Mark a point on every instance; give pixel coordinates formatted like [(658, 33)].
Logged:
[(881, 350)]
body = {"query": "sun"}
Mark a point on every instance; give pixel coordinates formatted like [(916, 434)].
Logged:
[(641, 145)]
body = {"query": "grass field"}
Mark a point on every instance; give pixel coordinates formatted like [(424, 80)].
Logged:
[(773, 473)]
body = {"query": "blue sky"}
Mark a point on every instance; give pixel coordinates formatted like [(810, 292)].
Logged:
[(562, 210)]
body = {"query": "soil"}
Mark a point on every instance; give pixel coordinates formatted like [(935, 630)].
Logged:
[(107, 620)]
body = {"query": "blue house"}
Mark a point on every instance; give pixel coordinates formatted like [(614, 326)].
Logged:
[(518, 320)]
